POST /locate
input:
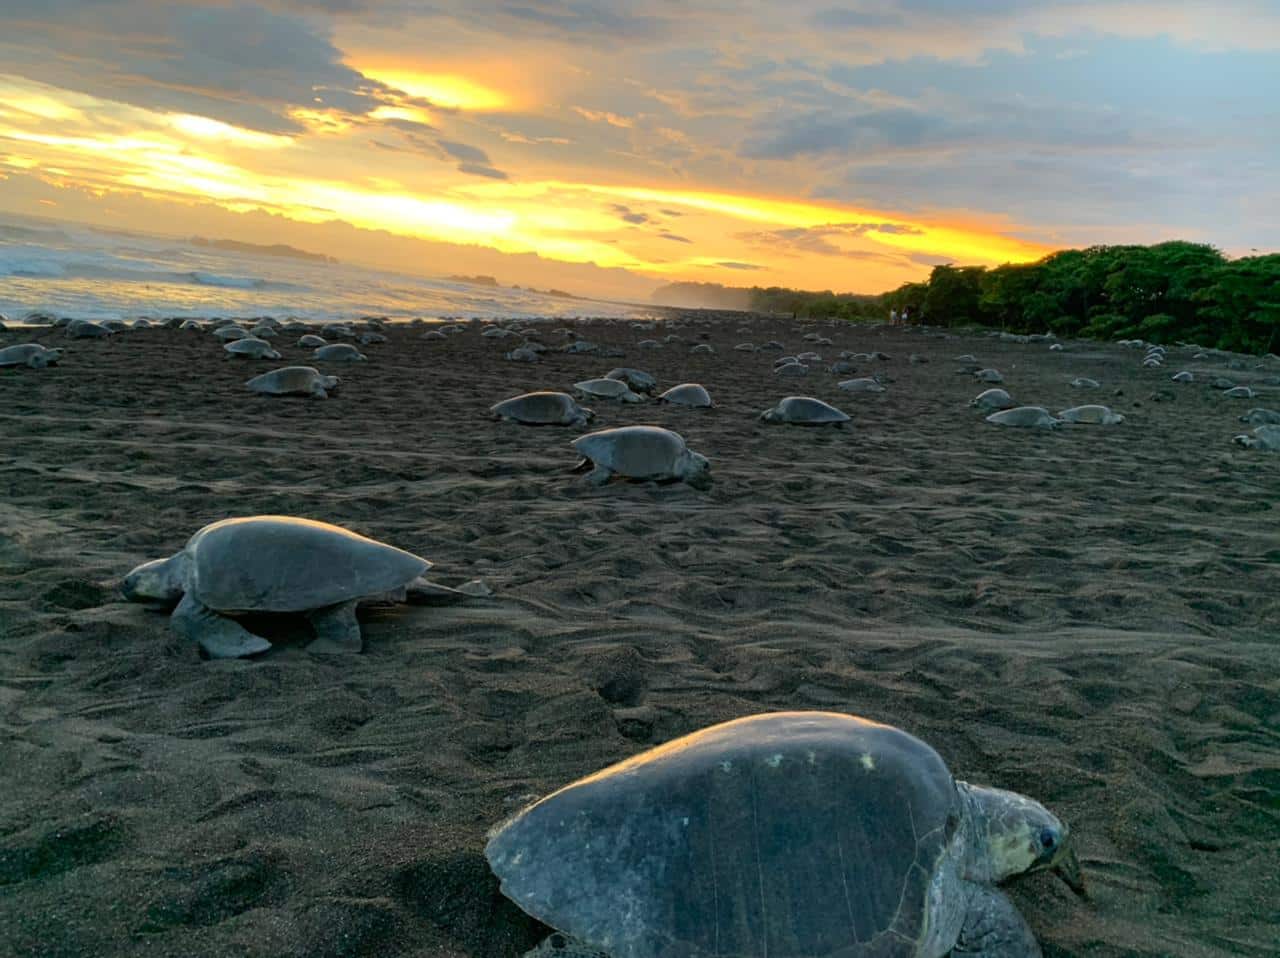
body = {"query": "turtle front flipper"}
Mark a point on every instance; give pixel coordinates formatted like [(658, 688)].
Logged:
[(337, 630), (599, 475), (994, 928), (562, 946), (219, 636)]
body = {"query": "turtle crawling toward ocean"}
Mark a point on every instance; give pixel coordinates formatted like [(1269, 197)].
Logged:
[(277, 564), (639, 380), (607, 389), (687, 394), (1091, 414), (1265, 437), (29, 354), (805, 411), (339, 353), (1025, 416), (792, 835), (992, 399), (640, 452), (543, 408), (294, 381), (250, 348), (1254, 417)]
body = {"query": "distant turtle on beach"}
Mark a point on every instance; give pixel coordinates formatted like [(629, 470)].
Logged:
[(637, 379), (294, 381), (992, 399), (1024, 416), (29, 354), (339, 353), (1091, 414), (542, 409), (1255, 417), (250, 348), (804, 411), (791, 369), (864, 385), (311, 341), (1183, 377), (1266, 437), (988, 376), (83, 329), (1238, 392), (640, 452), (786, 834), (228, 333), (607, 389), (278, 564), (1084, 382), (687, 394)]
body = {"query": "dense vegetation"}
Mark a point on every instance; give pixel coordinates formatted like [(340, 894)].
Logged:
[(1168, 292)]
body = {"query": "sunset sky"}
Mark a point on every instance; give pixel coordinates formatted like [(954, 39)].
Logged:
[(809, 143)]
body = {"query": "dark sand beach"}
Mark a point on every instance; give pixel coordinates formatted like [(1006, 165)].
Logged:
[(1090, 616)]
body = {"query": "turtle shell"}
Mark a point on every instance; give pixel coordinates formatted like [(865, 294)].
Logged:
[(687, 394), (603, 388), (291, 380), (538, 408), (286, 564), (787, 834), (637, 452), (806, 410)]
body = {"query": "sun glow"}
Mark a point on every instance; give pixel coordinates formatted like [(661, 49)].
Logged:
[(449, 91), (206, 129)]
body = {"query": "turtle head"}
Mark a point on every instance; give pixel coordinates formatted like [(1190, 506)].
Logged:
[(158, 582), (696, 470), (1014, 835)]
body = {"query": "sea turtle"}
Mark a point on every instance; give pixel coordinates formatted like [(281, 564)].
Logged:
[(1222, 382), (687, 394), (864, 385), (229, 333), (773, 345), (1084, 382), (703, 348), (1093, 414), (371, 339), (29, 354), (791, 369), (523, 354), (639, 380), (337, 331), (542, 409), (1255, 417), (607, 389), (992, 399), (640, 452), (1238, 392), (275, 564), (842, 367), (1026, 416), (264, 331), (293, 381), (250, 348), (788, 835), (339, 353), (988, 376), (83, 329), (311, 341), (804, 411), (1183, 377), (1264, 437), (746, 347)]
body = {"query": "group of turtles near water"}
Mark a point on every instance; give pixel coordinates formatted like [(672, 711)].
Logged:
[(792, 834)]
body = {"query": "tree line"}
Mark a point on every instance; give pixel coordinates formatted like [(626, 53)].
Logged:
[(1167, 292)]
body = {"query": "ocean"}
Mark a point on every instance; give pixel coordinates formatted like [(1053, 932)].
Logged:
[(87, 272)]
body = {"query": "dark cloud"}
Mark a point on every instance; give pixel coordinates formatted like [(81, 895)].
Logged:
[(819, 239), (463, 152), (844, 18), (670, 212), (729, 264), (244, 65), (824, 131), (674, 238), (628, 215), (584, 18), (479, 169)]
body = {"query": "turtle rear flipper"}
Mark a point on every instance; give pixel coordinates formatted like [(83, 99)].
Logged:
[(583, 466)]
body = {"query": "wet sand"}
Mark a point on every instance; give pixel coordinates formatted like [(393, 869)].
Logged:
[(1090, 616)]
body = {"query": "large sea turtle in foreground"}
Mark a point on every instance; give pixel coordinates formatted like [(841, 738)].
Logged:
[(279, 564), (792, 835), (640, 452)]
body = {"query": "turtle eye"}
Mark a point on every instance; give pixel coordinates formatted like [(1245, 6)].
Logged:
[(1048, 838)]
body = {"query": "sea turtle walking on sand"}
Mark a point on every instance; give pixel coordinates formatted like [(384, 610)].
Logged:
[(1256, 417), (29, 354), (687, 394), (311, 341), (542, 409), (988, 376), (639, 380), (992, 399), (294, 381), (863, 385), (1265, 437), (276, 564), (804, 411), (1091, 414), (640, 452), (250, 348), (607, 389), (1026, 417), (339, 353), (790, 834)]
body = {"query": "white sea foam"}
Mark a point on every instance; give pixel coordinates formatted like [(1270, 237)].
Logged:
[(99, 274)]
